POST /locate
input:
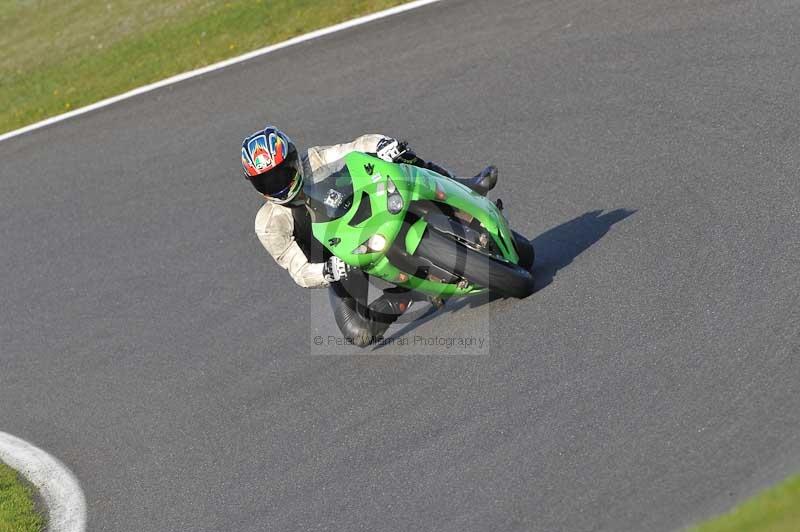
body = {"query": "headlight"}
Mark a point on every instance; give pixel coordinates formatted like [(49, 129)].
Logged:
[(394, 201), (375, 244)]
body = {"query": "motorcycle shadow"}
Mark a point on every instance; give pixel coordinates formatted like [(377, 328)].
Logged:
[(555, 249)]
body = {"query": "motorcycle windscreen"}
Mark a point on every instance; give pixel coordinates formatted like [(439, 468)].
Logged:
[(329, 192)]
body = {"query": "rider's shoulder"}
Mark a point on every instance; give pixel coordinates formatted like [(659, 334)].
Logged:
[(268, 211), (316, 157)]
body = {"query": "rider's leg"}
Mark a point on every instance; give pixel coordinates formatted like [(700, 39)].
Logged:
[(481, 183), (349, 303), (360, 323)]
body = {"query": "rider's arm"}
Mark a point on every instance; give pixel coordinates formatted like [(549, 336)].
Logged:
[(364, 143), (275, 227), (323, 155)]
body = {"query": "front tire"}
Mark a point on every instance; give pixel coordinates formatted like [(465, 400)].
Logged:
[(502, 278)]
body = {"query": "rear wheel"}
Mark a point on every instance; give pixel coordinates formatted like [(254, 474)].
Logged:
[(502, 278)]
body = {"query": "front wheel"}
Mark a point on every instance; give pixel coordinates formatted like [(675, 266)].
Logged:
[(502, 278)]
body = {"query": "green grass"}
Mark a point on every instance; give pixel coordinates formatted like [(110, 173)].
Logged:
[(17, 510), (57, 55), (774, 510)]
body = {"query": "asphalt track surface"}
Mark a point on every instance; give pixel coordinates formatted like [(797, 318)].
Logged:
[(650, 150)]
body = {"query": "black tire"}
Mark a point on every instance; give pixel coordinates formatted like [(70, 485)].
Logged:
[(501, 278), (525, 250)]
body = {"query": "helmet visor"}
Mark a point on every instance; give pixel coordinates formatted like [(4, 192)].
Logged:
[(280, 181)]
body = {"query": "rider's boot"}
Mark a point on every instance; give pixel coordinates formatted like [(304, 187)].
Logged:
[(481, 183)]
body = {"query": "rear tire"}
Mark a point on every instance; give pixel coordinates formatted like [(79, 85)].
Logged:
[(502, 278)]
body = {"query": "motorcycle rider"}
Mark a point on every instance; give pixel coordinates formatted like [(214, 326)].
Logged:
[(275, 167)]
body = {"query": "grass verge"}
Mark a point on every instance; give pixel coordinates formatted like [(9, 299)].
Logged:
[(17, 508), (774, 510), (59, 56)]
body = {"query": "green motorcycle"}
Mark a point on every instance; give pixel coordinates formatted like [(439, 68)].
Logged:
[(416, 229)]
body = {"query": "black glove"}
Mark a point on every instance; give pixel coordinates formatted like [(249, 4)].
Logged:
[(335, 269), (407, 156)]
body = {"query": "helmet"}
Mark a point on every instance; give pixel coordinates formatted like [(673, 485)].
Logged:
[(271, 163)]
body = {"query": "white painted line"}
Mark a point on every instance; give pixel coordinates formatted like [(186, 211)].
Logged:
[(222, 64), (66, 505)]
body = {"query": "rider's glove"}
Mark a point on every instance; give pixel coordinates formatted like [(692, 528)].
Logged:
[(391, 150), (335, 270), (407, 156), (388, 150)]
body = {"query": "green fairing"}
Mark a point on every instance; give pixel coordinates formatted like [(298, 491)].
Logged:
[(413, 184), (414, 235)]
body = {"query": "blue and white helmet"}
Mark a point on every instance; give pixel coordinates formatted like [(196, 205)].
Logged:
[(270, 162)]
